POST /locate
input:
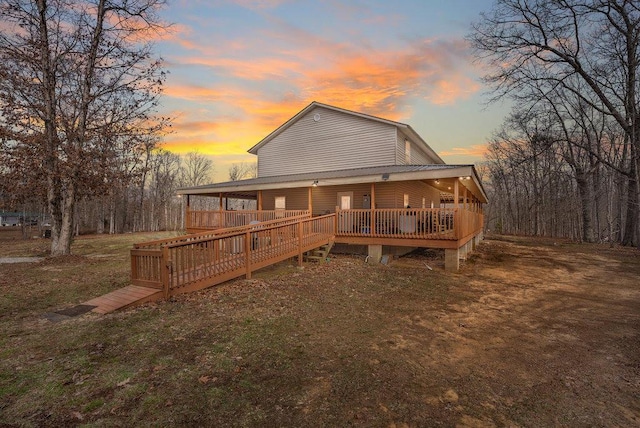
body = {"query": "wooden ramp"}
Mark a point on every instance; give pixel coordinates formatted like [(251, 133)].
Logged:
[(192, 262), (130, 295)]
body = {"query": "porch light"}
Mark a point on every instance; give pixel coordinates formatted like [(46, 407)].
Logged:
[(437, 181), (385, 176), (315, 183)]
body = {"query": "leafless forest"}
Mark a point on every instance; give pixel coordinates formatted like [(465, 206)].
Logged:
[(80, 135), (566, 161)]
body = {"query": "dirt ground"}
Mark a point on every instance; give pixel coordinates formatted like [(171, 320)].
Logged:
[(530, 332)]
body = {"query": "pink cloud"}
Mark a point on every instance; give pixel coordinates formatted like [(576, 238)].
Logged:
[(260, 4), (476, 150)]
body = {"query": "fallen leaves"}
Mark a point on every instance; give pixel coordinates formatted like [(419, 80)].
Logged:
[(205, 379), (124, 382)]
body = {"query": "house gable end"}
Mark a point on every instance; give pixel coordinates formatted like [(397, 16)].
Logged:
[(325, 139)]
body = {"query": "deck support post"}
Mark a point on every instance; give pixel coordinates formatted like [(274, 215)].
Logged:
[(165, 273), (375, 253), (372, 226), (134, 266), (300, 230), (456, 193), (452, 259), (464, 251), (247, 254), (188, 214)]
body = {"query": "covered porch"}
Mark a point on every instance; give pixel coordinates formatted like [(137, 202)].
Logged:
[(400, 206)]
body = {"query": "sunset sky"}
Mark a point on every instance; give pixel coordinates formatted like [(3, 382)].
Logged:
[(239, 69)]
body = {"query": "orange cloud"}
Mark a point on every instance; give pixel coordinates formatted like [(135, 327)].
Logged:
[(254, 69), (476, 150), (255, 86), (446, 92), (317, 68)]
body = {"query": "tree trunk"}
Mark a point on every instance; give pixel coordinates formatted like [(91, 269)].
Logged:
[(125, 226), (100, 223), (112, 214), (629, 237), (61, 241), (585, 190)]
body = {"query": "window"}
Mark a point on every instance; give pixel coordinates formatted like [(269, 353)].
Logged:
[(407, 152), (406, 200), (281, 202)]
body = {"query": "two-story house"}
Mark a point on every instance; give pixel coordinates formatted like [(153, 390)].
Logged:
[(385, 184)]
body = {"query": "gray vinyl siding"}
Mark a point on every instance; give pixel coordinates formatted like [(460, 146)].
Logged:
[(418, 156), (400, 155), (337, 141)]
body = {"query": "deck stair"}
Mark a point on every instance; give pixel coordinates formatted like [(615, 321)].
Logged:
[(318, 254)]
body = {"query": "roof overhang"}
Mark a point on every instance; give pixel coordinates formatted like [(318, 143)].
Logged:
[(439, 176)]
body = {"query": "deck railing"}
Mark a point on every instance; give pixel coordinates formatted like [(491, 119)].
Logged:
[(201, 260), (470, 222), (406, 223), (409, 223), (215, 232), (194, 261), (203, 220)]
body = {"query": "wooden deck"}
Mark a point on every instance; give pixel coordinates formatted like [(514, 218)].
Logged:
[(128, 296), (161, 269)]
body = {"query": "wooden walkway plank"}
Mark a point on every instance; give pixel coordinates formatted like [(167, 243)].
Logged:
[(124, 297)]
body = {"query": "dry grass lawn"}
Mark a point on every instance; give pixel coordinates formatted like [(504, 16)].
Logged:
[(528, 333)]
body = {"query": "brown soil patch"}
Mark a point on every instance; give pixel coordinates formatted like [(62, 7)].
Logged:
[(528, 333)]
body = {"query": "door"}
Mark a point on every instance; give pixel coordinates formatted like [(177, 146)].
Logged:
[(345, 220)]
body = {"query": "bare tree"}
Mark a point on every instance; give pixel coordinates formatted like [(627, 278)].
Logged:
[(78, 85), (531, 188), (242, 170), (164, 179), (196, 169), (588, 48)]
